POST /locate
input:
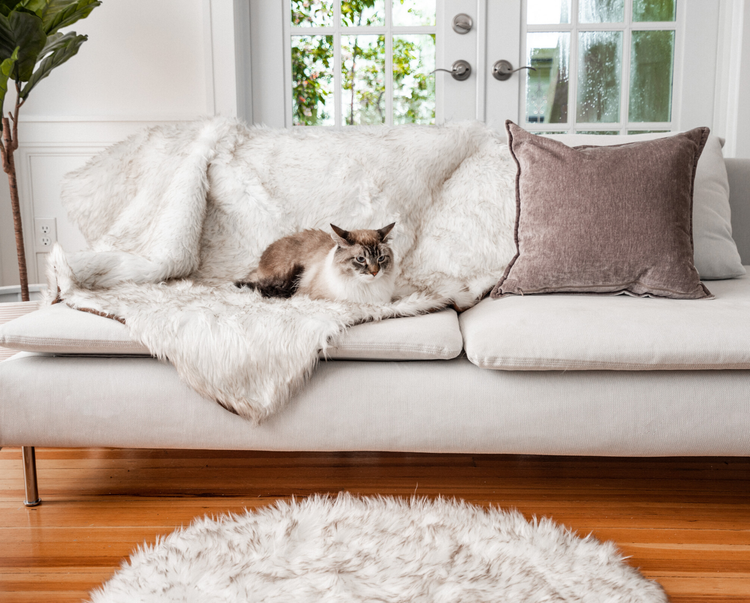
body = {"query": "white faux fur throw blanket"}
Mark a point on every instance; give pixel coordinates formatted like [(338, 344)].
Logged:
[(177, 213)]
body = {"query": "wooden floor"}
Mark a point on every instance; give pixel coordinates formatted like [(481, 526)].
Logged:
[(684, 522)]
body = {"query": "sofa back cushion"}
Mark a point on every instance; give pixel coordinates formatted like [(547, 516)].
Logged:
[(738, 173)]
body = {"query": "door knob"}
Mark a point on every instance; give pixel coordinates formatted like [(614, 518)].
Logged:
[(462, 23), (502, 70), (460, 70)]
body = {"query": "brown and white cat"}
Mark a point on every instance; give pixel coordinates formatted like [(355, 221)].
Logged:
[(356, 266)]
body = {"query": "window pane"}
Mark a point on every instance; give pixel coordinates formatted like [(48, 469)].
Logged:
[(358, 13), (413, 84), (547, 12), (312, 81), (647, 131), (651, 61), (653, 10), (601, 11), (312, 13), (414, 12), (599, 132), (363, 81), (599, 76), (547, 87)]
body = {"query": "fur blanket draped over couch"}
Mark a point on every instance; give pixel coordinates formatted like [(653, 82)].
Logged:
[(174, 215)]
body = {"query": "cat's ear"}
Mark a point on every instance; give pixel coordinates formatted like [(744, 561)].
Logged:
[(385, 231), (341, 236)]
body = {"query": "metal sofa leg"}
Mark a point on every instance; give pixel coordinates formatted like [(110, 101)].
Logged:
[(29, 477)]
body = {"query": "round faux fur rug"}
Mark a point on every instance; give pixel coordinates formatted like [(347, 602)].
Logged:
[(348, 549)]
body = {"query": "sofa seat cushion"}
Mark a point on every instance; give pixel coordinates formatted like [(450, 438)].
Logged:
[(60, 329), (594, 332)]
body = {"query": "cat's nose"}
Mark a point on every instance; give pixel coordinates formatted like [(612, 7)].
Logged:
[(374, 271)]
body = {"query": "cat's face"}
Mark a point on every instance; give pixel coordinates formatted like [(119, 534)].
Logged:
[(363, 254)]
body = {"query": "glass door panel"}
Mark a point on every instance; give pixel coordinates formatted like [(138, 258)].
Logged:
[(547, 12), (601, 11), (599, 69), (413, 80), (312, 81), (363, 80), (651, 69), (547, 86), (654, 10)]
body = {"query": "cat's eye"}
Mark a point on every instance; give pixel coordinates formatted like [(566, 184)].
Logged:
[(360, 259), (381, 259)]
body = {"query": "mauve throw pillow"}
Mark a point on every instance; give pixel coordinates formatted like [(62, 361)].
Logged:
[(612, 219)]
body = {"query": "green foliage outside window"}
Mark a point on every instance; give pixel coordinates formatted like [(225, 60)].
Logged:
[(362, 70), (312, 79)]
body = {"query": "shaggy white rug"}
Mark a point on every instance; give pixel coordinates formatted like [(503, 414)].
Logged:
[(177, 213), (378, 549)]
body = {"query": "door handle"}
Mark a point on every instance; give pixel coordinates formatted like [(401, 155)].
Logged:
[(502, 70), (460, 70)]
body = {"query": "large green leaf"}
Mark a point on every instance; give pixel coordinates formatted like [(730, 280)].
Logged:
[(63, 48), (34, 6), (62, 13), (22, 30), (6, 68), (7, 5), (55, 41)]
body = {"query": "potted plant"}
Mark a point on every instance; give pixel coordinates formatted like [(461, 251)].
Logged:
[(31, 47)]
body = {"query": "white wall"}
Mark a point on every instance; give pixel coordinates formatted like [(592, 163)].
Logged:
[(145, 62), (742, 118)]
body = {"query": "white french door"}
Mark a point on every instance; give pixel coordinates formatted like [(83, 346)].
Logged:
[(605, 66)]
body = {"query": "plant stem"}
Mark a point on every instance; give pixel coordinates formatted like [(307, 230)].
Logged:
[(7, 147), (15, 203)]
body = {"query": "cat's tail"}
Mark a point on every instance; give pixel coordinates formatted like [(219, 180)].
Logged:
[(417, 303), (273, 286)]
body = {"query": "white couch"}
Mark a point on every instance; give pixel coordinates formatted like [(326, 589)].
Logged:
[(610, 376)]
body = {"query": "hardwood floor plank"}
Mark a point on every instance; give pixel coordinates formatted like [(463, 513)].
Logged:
[(59, 596), (694, 540), (45, 582), (61, 514), (678, 584)]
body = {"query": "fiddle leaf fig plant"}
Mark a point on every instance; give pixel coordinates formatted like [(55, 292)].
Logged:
[(31, 47)]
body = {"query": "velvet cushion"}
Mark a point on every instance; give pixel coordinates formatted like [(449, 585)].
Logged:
[(612, 219), (715, 251)]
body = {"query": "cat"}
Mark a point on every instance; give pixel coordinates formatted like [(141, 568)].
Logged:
[(356, 266)]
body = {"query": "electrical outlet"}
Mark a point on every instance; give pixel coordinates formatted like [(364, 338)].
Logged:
[(45, 234)]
